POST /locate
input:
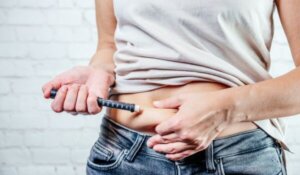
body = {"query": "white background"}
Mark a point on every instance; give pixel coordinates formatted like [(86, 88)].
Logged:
[(38, 40)]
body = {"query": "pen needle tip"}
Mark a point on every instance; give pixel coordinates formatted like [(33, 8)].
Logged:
[(137, 108)]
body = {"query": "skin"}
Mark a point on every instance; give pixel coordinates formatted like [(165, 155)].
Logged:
[(79, 87), (177, 136), (196, 124)]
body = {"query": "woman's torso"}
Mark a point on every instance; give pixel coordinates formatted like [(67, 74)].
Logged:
[(161, 43), (179, 43), (150, 116)]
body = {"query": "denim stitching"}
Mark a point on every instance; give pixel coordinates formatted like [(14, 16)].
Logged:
[(246, 151), (107, 152), (220, 167), (135, 148), (115, 164)]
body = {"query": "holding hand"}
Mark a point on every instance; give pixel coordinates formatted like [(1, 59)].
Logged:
[(78, 89), (199, 120)]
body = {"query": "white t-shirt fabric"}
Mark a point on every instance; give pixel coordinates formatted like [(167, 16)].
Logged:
[(162, 42)]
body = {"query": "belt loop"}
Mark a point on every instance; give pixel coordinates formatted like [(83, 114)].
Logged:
[(209, 157), (135, 147)]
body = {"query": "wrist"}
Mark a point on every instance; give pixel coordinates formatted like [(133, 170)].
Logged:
[(109, 67), (235, 101)]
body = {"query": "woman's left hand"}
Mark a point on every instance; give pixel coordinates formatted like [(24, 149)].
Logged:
[(200, 118)]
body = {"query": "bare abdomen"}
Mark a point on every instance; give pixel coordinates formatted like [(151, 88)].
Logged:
[(150, 116)]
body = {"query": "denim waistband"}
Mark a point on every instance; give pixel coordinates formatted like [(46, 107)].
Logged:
[(221, 147)]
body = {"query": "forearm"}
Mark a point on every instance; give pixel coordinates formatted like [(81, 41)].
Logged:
[(273, 98)]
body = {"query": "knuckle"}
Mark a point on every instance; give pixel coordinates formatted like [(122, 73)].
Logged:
[(157, 130), (76, 85), (80, 108), (63, 88), (185, 135), (172, 150), (68, 108), (73, 86), (83, 87), (176, 124)]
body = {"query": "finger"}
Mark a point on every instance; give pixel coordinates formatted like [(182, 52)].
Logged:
[(72, 113), (84, 113), (172, 137), (172, 148), (92, 104), (53, 84), (95, 90), (172, 102), (58, 102), (156, 139), (81, 105), (71, 97), (169, 126), (181, 155)]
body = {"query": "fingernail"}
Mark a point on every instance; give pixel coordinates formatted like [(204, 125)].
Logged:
[(149, 144)]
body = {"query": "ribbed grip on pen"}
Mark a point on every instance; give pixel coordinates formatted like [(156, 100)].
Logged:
[(115, 104), (108, 103)]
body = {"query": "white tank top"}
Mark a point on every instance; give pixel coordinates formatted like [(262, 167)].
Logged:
[(174, 42)]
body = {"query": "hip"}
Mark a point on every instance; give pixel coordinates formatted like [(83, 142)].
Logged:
[(120, 150)]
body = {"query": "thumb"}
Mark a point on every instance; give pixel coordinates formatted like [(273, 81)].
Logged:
[(171, 102), (53, 84)]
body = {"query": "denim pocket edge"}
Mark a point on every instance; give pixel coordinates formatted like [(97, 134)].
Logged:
[(110, 166)]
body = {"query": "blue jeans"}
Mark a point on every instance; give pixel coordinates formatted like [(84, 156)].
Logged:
[(120, 150)]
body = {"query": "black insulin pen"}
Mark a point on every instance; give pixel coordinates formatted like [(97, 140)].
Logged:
[(109, 103)]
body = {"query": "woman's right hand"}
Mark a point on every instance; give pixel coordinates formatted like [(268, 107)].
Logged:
[(78, 89)]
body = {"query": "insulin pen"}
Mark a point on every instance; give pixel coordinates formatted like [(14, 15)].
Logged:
[(109, 103)]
